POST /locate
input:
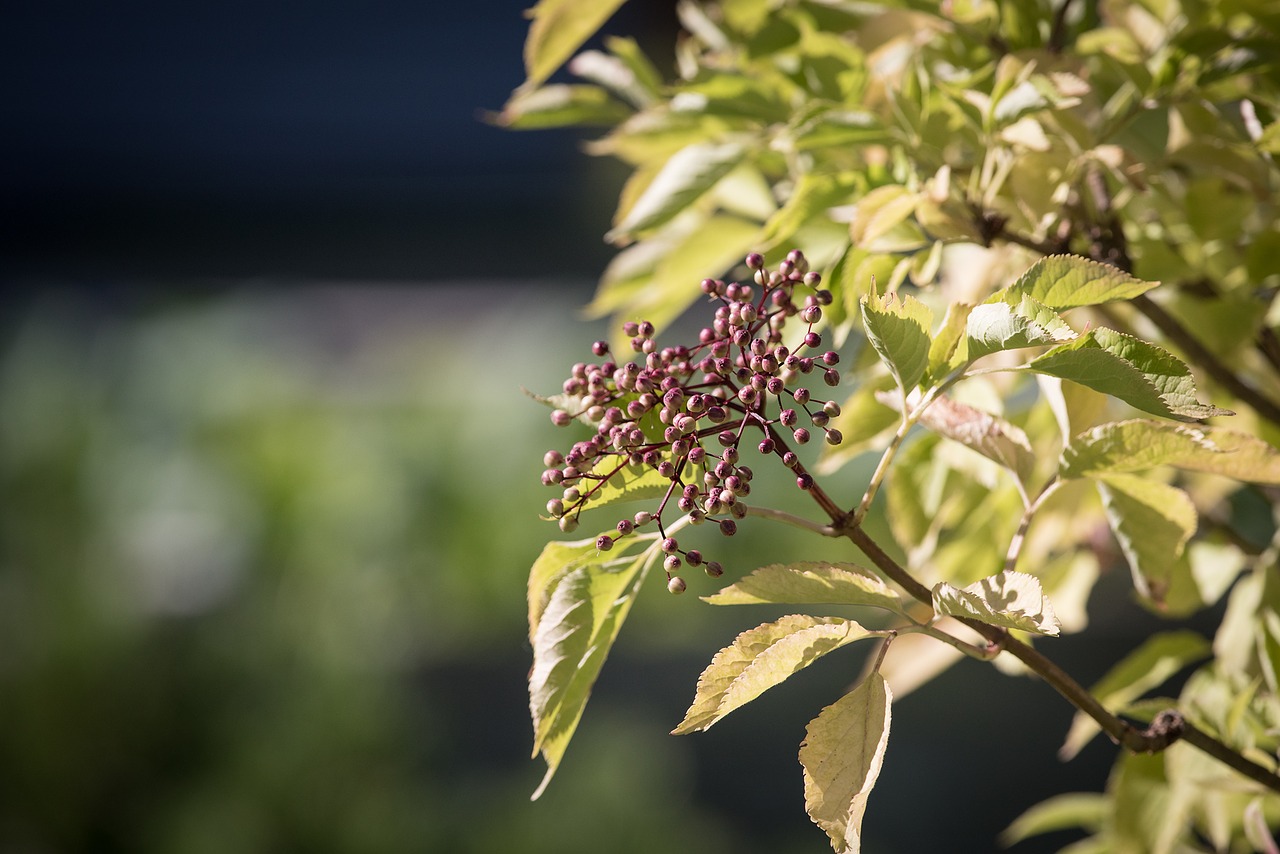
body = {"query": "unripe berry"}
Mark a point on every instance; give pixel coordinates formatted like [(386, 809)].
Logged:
[(671, 563), (568, 524), (676, 585), (604, 542), (834, 437), (555, 508), (788, 417), (812, 314), (625, 526), (801, 436), (790, 460), (600, 348), (670, 545), (560, 418), (831, 377), (644, 517), (728, 527), (553, 458), (831, 408), (714, 569), (727, 438), (766, 447), (813, 339), (801, 396), (755, 261), (805, 481), (729, 455), (693, 557)]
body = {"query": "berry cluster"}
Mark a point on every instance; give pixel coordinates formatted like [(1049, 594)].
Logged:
[(685, 411)]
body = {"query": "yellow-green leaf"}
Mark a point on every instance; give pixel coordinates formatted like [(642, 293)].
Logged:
[(1137, 445), (809, 583), (899, 330), (842, 753), (688, 174), (559, 28), (1152, 522), (761, 658), (1013, 600), (1023, 322), (1067, 281), (1141, 374)]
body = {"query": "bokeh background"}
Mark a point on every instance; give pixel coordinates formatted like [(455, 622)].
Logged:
[(269, 485)]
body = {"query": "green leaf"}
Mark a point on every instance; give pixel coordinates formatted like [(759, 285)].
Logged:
[(813, 195), (1141, 374), (899, 330), (577, 603), (560, 105), (1152, 522), (842, 752), (630, 483), (559, 28), (1068, 281), (809, 583), (760, 658), (946, 352), (1137, 445), (1013, 600), (1159, 658), (1024, 322), (688, 174), (994, 438), (1086, 810), (879, 212)]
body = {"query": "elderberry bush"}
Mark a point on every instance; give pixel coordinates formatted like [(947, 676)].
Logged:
[(692, 414)]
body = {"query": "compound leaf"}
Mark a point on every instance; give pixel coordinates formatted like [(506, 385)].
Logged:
[(1141, 374), (1013, 600), (760, 658), (842, 753), (809, 583)]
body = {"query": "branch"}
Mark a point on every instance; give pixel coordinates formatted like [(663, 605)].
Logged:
[(1167, 728)]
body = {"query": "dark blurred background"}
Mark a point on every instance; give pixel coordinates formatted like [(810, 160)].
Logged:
[(268, 486)]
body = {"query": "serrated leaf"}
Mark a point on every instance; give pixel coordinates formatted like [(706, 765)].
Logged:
[(1137, 445), (948, 350), (1157, 659), (1068, 281), (1013, 600), (1024, 322), (899, 330), (1130, 369), (688, 174), (993, 437), (576, 610), (809, 583), (559, 28), (761, 658), (1088, 810), (842, 753), (1152, 522)]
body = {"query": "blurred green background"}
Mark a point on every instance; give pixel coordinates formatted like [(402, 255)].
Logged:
[(269, 484)]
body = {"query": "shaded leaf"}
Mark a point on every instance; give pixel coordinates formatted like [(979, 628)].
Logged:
[(760, 658), (559, 28), (809, 583), (1152, 522), (1013, 600), (842, 752), (994, 438), (879, 212), (1141, 374), (1068, 281), (1128, 446), (1157, 659), (575, 613), (899, 330), (996, 326), (688, 174)]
